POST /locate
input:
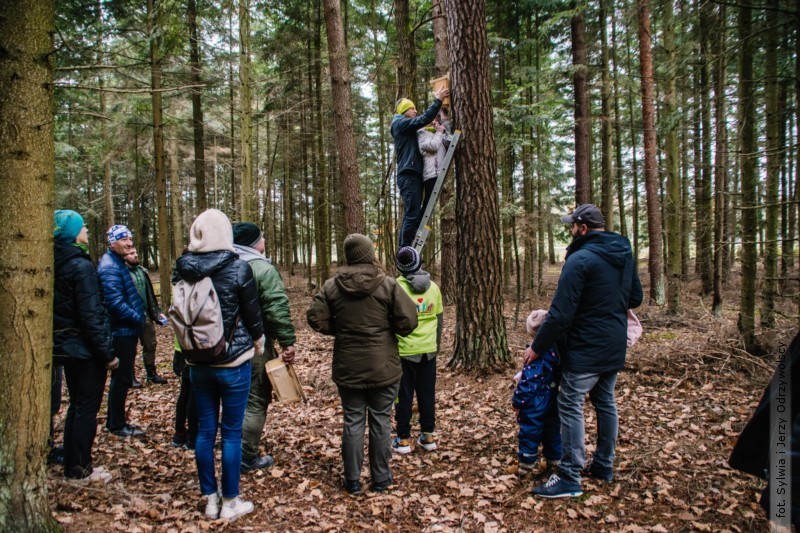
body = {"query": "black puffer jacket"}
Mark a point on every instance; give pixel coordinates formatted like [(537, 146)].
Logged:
[(80, 322), (238, 296)]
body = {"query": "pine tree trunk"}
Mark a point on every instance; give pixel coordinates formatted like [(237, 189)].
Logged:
[(620, 176), (720, 160), (154, 32), (705, 220), (175, 197), (583, 172), (406, 53), (773, 149), (197, 109), (749, 181), (673, 200), (480, 340), (343, 116), (606, 131), (650, 147), (321, 202), (27, 174), (249, 194)]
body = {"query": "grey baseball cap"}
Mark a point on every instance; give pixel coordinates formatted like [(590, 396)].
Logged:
[(588, 214)]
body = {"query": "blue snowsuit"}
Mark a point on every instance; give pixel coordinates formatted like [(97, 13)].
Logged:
[(535, 397)]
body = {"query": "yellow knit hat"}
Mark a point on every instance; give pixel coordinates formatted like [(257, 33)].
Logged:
[(403, 105)]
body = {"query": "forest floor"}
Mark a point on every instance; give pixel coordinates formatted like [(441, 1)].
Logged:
[(683, 398)]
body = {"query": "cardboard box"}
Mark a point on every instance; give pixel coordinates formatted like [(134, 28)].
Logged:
[(284, 381), (437, 83)]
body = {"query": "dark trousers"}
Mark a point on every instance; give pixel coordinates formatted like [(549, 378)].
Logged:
[(410, 185), (148, 340), (420, 378), (427, 187), (86, 379), (121, 380), (56, 381), (185, 408)]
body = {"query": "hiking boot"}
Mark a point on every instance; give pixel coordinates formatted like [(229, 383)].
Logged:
[(402, 446), (213, 502), (56, 456), (127, 431), (265, 461), (382, 486), (353, 486), (156, 379), (598, 472), (427, 442), (558, 488), (233, 508), (179, 440), (135, 383)]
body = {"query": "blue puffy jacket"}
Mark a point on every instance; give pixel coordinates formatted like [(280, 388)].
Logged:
[(123, 303), (587, 319), (404, 132), (535, 398)]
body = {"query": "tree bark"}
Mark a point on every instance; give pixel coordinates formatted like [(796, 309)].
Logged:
[(704, 216), (650, 168), (583, 172), (27, 173), (321, 202), (197, 110), (606, 132), (175, 200), (249, 195), (720, 160), (673, 200), (154, 32), (343, 115), (480, 340), (406, 53), (749, 181)]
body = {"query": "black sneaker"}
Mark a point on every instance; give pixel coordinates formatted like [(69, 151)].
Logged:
[(353, 486), (596, 471), (179, 440), (382, 486), (265, 461), (156, 379), (558, 488), (127, 431), (136, 384)]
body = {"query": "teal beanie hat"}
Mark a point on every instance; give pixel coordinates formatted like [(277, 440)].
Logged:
[(67, 224)]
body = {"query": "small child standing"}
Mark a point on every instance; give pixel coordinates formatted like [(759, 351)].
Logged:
[(418, 354), (537, 409)]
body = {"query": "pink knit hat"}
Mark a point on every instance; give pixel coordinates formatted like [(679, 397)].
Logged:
[(535, 320)]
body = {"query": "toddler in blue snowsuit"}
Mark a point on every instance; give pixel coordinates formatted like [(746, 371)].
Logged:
[(537, 409)]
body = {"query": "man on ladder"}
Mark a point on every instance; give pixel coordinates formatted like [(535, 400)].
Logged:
[(409, 160)]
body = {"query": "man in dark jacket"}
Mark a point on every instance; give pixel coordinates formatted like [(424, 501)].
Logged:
[(153, 314), (81, 343), (405, 125), (587, 322), (248, 241), (126, 311)]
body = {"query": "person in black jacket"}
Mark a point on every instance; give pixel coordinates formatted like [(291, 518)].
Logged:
[(588, 324), (81, 343), (227, 383), (405, 125)]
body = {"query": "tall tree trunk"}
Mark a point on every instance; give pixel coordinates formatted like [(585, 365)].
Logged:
[(606, 131), (481, 342), (673, 200), (749, 180), (197, 109), (249, 194), (583, 118), (321, 203), (27, 173), (620, 176), (406, 52), (343, 116), (650, 167), (154, 32), (704, 216), (447, 211), (175, 200), (773, 149)]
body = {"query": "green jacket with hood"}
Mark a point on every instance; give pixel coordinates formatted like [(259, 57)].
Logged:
[(363, 309)]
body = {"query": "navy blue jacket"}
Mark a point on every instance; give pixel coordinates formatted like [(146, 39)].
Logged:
[(238, 295), (404, 132), (123, 303), (80, 321), (587, 319)]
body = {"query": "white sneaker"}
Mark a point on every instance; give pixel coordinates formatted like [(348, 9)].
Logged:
[(233, 508), (427, 442), (212, 505), (99, 475)]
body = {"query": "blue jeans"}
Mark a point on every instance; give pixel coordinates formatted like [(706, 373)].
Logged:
[(574, 386), (410, 185), (212, 387)]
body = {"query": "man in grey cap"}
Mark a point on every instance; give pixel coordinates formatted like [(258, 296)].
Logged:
[(587, 322)]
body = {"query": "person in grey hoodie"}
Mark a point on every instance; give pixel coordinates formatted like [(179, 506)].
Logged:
[(364, 309)]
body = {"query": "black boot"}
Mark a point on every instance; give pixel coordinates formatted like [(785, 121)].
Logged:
[(152, 375), (135, 383)]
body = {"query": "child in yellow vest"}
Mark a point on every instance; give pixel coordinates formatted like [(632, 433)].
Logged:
[(418, 354)]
